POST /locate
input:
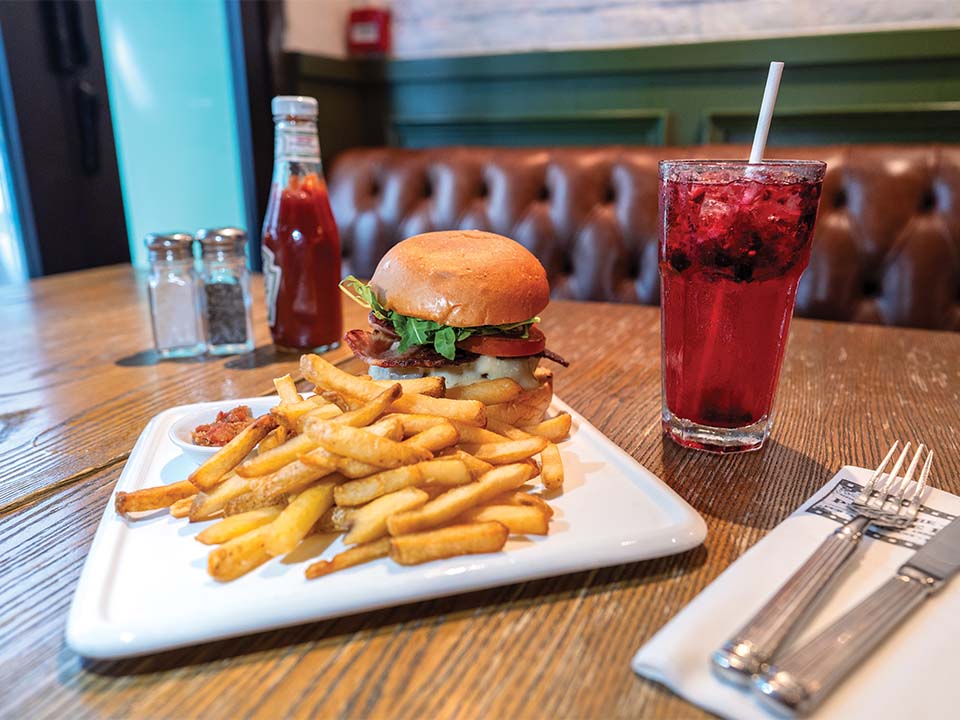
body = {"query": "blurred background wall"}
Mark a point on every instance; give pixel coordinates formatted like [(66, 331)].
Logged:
[(444, 28), (119, 118)]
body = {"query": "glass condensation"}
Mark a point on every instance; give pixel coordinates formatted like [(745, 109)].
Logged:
[(226, 288), (175, 296)]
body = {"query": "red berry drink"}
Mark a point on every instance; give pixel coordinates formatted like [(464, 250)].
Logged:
[(734, 240)]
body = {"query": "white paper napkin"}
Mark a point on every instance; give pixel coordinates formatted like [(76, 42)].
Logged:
[(914, 674)]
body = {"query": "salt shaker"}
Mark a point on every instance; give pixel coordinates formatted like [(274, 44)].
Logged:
[(175, 296), (226, 285)]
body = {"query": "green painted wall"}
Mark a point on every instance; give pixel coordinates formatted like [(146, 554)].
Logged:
[(869, 87)]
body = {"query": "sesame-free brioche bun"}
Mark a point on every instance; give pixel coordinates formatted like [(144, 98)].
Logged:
[(462, 278)]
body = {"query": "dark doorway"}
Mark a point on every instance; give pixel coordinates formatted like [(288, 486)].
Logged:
[(56, 97)]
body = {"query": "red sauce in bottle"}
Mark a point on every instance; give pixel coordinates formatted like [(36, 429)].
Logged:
[(301, 253)]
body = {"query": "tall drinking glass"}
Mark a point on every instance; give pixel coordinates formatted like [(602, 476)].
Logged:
[(734, 240)]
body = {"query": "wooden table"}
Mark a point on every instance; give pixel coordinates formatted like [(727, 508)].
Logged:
[(79, 384)]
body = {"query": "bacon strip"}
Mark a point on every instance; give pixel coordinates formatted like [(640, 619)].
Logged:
[(382, 352), (550, 355)]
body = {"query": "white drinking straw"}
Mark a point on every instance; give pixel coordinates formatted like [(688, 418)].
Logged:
[(766, 112)]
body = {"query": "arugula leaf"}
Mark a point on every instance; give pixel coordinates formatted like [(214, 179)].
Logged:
[(416, 331)]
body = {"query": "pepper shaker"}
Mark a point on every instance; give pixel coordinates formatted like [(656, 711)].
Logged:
[(226, 291), (175, 296)]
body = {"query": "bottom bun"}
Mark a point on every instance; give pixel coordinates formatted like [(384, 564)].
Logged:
[(529, 407)]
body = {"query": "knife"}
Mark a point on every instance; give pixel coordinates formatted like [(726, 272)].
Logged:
[(798, 681)]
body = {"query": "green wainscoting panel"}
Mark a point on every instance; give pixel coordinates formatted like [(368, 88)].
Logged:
[(917, 122), (629, 127), (866, 87)]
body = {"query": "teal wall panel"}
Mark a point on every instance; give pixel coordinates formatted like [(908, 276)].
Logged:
[(171, 84)]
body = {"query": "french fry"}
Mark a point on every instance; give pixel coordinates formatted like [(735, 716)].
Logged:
[(528, 408), (489, 392), (519, 519), (153, 498), (323, 374), (297, 519), (555, 429), (238, 556), (272, 460), (507, 430), (348, 558), (329, 377), (342, 518), (414, 423), (370, 521), (181, 508), (291, 478), (323, 412), (456, 501), (206, 505), (478, 436), (511, 451), (468, 412), (448, 542), (551, 472), (519, 497), (232, 527), (287, 390), (363, 490), (445, 472), (208, 475), (335, 398), (251, 501), (436, 438), (434, 386), (370, 411), (277, 436), (476, 466), (362, 445), (288, 415)]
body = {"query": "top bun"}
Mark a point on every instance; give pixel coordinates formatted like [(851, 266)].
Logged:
[(462, 278)]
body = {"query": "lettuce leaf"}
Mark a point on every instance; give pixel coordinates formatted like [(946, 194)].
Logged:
[(416, 331)]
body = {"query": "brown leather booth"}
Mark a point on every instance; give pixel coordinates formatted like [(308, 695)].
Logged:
[(886, 249)]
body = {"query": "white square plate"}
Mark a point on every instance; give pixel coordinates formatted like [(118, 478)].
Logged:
[(145, 587)]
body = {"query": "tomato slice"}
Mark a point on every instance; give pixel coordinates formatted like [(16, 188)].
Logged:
[(504, 345)]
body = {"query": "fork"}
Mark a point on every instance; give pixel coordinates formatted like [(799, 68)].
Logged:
[(884, 502)]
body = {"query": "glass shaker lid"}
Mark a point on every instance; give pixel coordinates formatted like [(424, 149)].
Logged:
[(169, 246), (222, 240)]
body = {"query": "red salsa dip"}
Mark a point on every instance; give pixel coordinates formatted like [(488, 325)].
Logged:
[(224, 429)]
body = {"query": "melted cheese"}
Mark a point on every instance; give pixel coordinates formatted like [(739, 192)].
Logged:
[(485, 367)]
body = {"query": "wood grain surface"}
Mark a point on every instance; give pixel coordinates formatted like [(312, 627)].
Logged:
[(557, 647), (81, 381)]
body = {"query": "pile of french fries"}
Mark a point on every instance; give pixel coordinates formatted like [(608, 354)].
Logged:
[(405, 469)]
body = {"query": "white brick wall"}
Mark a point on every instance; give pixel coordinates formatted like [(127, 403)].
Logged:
[(430, 28)]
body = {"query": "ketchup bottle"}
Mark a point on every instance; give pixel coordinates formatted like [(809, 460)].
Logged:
[(301, 246)]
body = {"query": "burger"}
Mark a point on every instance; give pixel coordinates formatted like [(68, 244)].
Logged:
[(459, 304)]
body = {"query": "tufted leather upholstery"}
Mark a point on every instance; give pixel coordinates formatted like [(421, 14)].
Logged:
[(886, 248)]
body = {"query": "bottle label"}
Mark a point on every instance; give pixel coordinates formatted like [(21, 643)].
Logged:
[(297, 145), (271, 283)]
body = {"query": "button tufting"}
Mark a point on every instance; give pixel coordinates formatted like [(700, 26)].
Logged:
[(893, 260)]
